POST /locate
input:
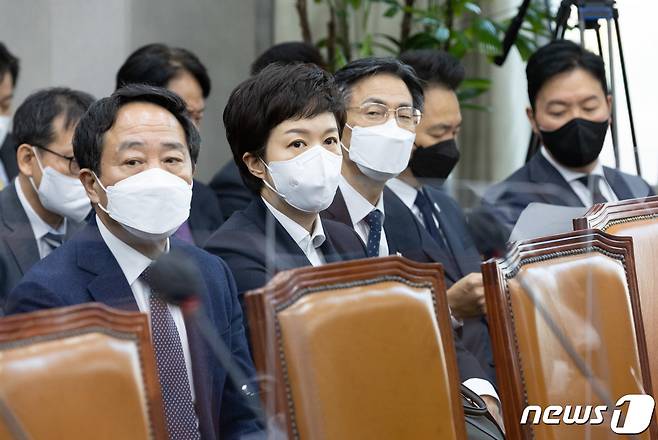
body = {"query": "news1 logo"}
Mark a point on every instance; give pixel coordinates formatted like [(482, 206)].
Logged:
[(635, 421)]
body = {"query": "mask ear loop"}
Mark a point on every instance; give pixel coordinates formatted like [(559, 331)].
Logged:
[(31, 179), (105, 190), (267, 184)]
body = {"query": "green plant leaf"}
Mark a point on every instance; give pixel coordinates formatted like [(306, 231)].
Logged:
[(442, 33), (476, 83), (473, 8), (392, 11)]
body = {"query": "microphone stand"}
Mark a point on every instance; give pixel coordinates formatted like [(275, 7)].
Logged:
[(195, 316), (11, 421)]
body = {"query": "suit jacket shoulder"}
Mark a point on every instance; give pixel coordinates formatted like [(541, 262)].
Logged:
[(230, 190)]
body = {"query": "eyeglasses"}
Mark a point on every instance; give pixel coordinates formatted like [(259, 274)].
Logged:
[(375, 113), (74, 168)]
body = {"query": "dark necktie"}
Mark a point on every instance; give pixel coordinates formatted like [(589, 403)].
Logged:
[(374, 221), (427, 212), (172, 372), (592, 182), (53, 240)]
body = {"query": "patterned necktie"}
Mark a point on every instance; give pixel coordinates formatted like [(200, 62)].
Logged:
[(179, 409), (374, 221), (53, 240), (593, 183)]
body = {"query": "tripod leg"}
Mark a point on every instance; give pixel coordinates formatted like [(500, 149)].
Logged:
[(598, 39), (628, 96), (611, 64)]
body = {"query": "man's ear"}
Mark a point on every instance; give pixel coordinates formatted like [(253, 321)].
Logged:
[(609, 99), (531, 117), (254, 165), (25, 157), (88, 180)]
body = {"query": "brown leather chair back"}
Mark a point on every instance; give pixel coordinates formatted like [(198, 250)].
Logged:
[(358, 350), (636, 218), (585, 282), (81, 372)]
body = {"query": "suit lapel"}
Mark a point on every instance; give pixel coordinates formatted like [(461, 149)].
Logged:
[(618, 185), (21, 240), (451, 234), (110, 286), (337, 211), (541, 172), (288, 255), (405, 235)]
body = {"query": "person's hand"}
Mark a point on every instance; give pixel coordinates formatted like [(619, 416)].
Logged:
[(494, 409), (466, 297)]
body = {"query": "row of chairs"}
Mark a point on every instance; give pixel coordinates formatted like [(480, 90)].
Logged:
[(364, 349)]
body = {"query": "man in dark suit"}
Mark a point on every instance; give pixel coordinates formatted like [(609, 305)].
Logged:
[(9, 68), (281, 228), (46, 203), (570, 111), (384, 98), (227, 183), (137, 151), (180, 71)]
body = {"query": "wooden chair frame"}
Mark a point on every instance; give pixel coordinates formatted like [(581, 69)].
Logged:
[(509, 368), (605, 215), (53, 324), (262, 306)]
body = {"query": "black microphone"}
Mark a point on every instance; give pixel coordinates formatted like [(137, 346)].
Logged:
[(176, 280)]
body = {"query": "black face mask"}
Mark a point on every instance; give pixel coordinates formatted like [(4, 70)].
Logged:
[(577, 143), (436, 161)]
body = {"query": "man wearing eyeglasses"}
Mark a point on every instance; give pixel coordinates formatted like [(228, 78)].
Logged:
[(384, 99), (46, 202)]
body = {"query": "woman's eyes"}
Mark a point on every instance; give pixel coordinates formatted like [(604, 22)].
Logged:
[(331, 140), (297, 144)]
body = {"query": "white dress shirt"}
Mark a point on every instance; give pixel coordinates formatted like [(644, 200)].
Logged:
[(39, 227), (359, 207), (581, 190), (132, 264), (309, 243)]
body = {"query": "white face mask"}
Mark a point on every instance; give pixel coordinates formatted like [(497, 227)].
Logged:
[(150, 205), (61, 194), (307, 182), (382, 151), (5, 123)]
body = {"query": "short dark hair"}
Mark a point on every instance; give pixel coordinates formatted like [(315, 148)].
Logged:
[(292, 52), (435, 67), (89, 134), (8, 63), (278, 93), (156, 64), (360, 69), (558, 57), (33, 120)]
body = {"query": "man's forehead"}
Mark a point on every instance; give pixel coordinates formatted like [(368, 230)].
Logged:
[(381, 87), (143, 121)]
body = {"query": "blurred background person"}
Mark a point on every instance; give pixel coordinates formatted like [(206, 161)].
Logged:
[(180, 71), (570, 111), (9, 68), (228, 185), (46, 202)]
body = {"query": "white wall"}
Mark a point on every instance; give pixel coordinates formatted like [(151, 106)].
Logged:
[(82, 43)]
